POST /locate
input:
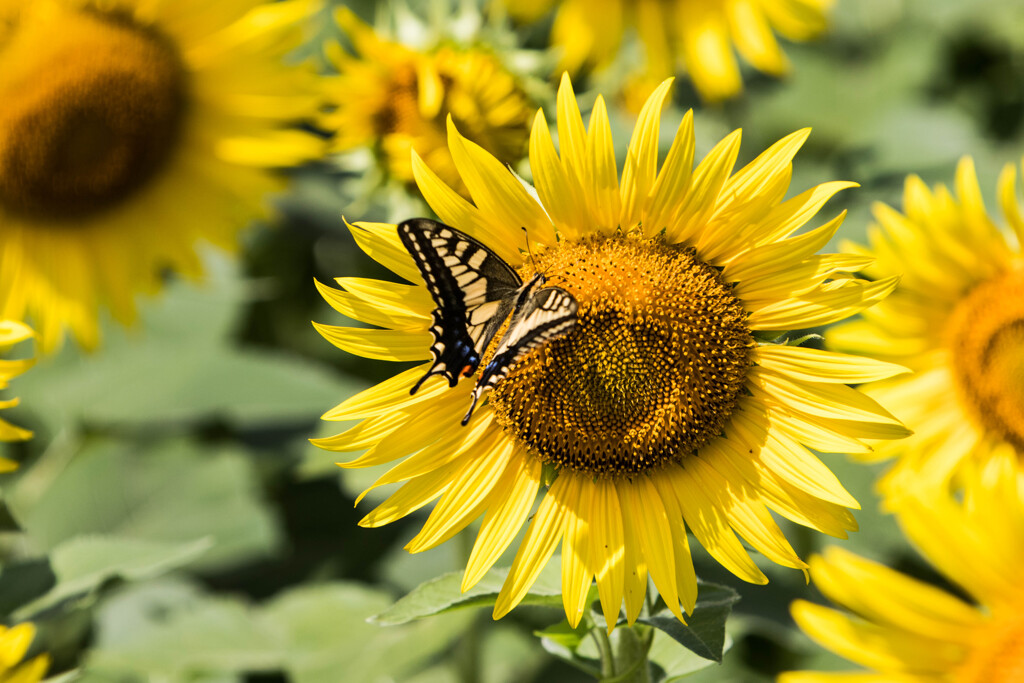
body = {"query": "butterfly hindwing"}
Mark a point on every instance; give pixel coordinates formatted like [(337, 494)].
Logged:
[(473, 288), (541, 314)]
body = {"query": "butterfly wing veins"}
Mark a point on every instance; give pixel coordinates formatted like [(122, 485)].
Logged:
[(474, 291)]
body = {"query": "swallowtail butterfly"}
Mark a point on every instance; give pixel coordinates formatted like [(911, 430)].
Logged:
[(475, 291)]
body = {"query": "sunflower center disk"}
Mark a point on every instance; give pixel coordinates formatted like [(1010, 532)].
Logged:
[(401, 110), (90, 112), (650, 372), (987, 333), (998, 656)]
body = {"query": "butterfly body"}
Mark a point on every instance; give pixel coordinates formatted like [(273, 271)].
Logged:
[(475, 292)]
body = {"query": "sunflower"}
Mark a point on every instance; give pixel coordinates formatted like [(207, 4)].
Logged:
[(130, 131), (394, 99), (11, 333), (697, 35), (661, 410), (956, 318), (907, 631), (14, 643)]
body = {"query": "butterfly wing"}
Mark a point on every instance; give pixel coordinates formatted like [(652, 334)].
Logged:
[(474, 289), (541, 314)]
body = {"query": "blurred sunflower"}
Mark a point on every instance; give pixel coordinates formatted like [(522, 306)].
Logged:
[(130, 131), (394, 99), (907, 631), (660, 410), (956, 318), (14, 643), (11, 333), (698, 35)]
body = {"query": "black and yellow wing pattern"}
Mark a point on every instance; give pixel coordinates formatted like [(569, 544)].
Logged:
[(475, 291)]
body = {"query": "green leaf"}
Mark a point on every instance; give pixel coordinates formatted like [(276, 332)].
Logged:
[(674, 663), (7, 520), (589, 665), (172, 630), (572, 646), (179, 366), (704, 631), (509, 655), (172, 492), (163, 384), (24, 581), (82, 564), (564, 634), (443, 594), (326, 631)]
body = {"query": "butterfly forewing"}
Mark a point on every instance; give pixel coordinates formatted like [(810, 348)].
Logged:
[(473, 288)]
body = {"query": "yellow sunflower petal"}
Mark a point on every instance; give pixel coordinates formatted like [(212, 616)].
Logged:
[(505, 515), (708, 180), (444, 445), (375, 311), (391, 394), (1008, 201), (814, 365), (561, 196), (572, 136), (686, 577), (641, 168), (772, 162), (381, 243), (673, 180), (790, 215), (834, 301), (874, 646), (537, 546), (498, 193), (641, 503), (452, 209), (635, 583), (577, 575), (469, 491), (397, 345), (871, 589), (14, 643), (607, 549), (411, 496), (363, 435), (706, 49), (776, 256), (789, 501), (603, 190), (824, 400), (709, 524), (746, 515), (788, 458), (752, 33)]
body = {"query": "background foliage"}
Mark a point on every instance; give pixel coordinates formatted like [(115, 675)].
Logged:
[(170, 521)]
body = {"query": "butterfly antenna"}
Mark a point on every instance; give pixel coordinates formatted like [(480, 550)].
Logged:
[(529, 250)]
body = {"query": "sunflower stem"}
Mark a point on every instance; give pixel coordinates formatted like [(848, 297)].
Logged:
[(604, 646), (628, 647), (467, 652)]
